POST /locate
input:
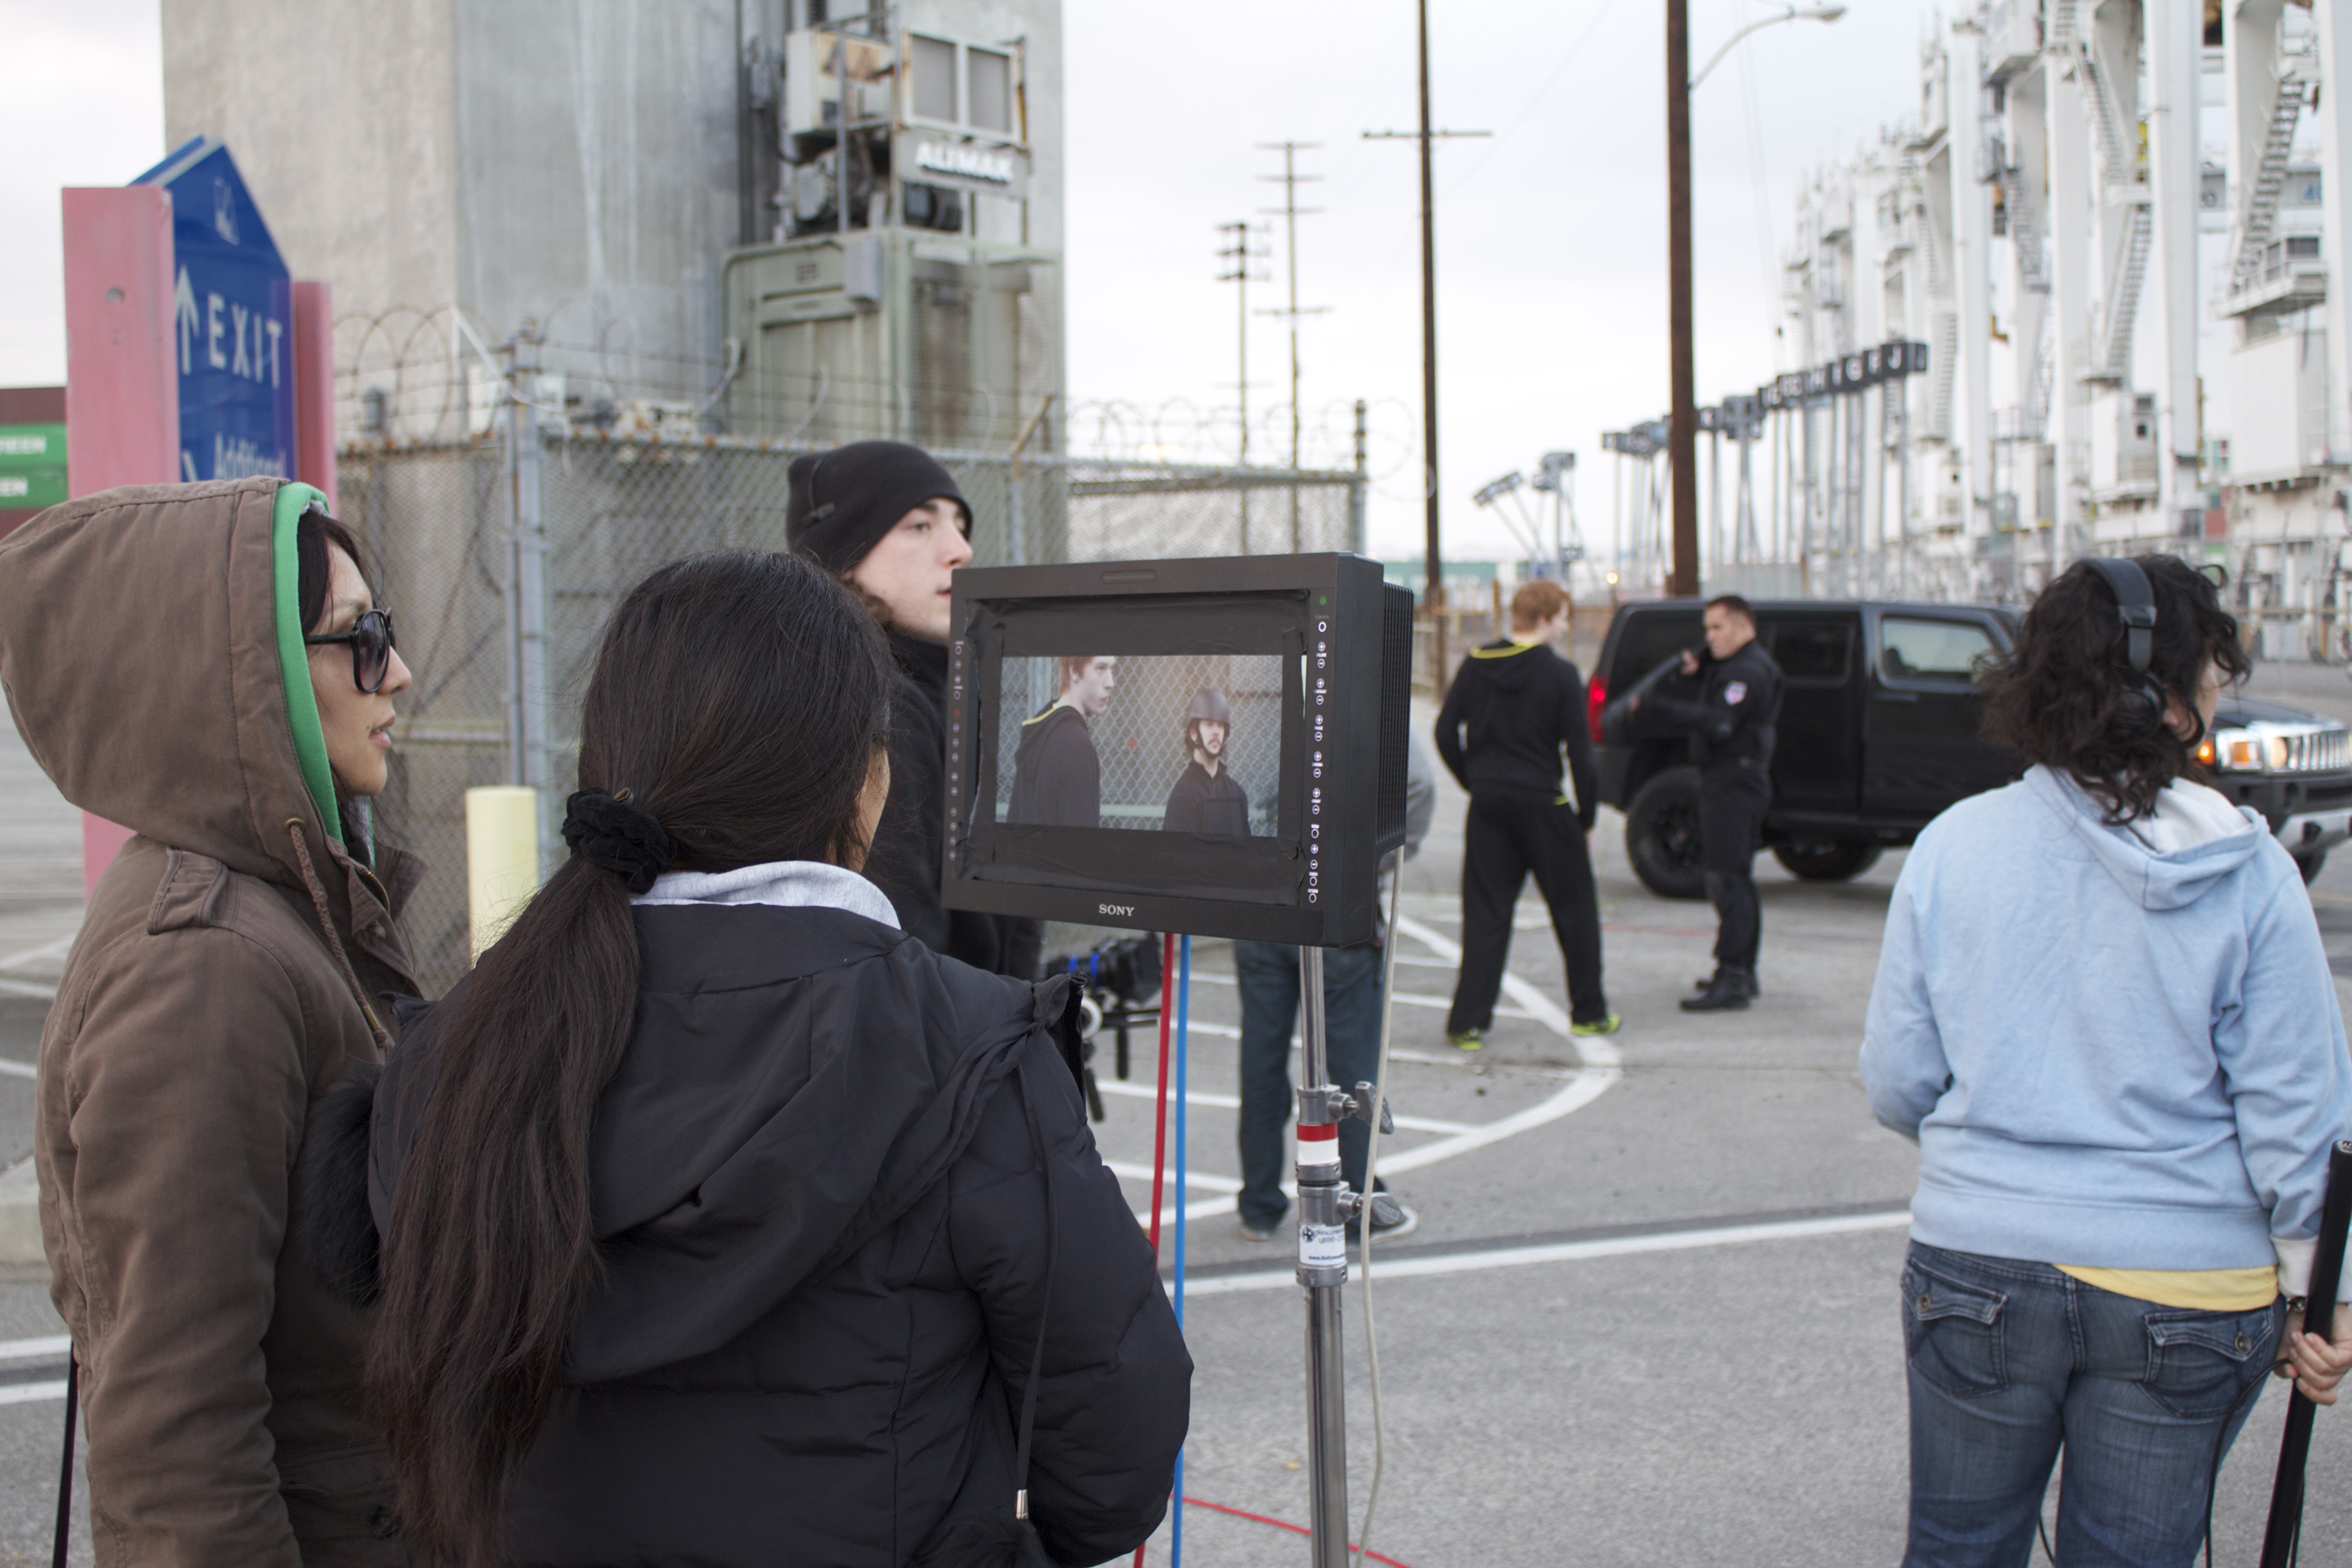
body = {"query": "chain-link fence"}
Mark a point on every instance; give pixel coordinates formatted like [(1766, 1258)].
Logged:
[(441, 522)]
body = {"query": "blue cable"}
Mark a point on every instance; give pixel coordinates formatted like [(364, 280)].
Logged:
[(1183, 1009)]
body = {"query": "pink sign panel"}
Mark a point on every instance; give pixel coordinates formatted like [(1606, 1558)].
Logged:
[(123, 394)]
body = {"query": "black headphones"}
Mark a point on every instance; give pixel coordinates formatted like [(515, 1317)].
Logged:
[(2139, 709)]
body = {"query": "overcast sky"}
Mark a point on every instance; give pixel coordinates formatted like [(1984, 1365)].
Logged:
[(1552, 234)]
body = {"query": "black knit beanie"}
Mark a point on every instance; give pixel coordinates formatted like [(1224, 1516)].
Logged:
[(844, 500)]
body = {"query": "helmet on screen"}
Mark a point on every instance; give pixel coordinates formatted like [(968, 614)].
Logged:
[(1211, 705)]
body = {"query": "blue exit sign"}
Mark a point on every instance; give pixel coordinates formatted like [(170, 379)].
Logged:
[(233, 323)]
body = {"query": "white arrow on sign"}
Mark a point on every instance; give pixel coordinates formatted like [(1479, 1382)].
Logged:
[(185, 300)]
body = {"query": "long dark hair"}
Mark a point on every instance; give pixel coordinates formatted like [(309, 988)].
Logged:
[(2055, 697), (740, 699), (314, 533)]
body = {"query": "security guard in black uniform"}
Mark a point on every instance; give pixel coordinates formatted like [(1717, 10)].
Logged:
[(1731, 737)]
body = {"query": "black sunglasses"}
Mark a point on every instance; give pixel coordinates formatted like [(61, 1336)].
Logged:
[(372, 644)]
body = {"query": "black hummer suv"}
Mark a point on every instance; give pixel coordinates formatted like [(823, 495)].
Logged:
[(1878, 733)]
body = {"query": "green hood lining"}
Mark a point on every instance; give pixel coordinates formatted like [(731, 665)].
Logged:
[(294, 656)]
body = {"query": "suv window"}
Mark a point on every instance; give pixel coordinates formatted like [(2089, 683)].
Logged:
[(1812, 652), (1651, 638), (1913, 648)]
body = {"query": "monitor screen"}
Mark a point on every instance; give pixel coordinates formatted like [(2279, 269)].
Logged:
[(1172, 745), (1173, 742)]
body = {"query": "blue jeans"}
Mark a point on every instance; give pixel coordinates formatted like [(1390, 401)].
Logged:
[(2010, 1360), (1268, 976)]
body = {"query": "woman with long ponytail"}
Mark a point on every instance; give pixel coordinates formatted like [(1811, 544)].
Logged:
[(719, 1222)]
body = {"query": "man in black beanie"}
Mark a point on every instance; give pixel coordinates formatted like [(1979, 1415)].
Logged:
[(889, 520)]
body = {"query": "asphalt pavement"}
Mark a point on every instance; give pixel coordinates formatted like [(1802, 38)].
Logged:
[(1649, 1315)]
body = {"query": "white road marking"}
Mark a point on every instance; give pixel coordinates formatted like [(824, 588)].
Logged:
[(33, 1350), (1602, 1066), (1411, 998), (1445, 1005), (1573, 1251), (18, 1069), (1520, 921), (31, 1393), (1136, 1173), (47, 949), (1132, 1090), (34, 989)]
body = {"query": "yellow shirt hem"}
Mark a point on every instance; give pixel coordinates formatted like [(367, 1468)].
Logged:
[(2198, 1289)]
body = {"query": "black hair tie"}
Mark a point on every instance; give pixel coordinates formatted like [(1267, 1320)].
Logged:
[(607, 831)]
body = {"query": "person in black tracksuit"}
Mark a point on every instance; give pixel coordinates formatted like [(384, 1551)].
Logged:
[(1515, 706), (1207, 797), (888, 520), (1056, 772), (1731, 737)]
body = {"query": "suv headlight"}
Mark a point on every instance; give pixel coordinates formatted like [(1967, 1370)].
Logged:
[(2269, 747), (2235, 751)]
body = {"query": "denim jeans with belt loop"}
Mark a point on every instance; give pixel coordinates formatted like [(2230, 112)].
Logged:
[(2010, 1361)]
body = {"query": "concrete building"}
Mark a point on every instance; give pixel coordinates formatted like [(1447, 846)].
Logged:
[(462, 171)]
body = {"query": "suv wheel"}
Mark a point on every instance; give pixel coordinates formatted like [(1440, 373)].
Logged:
[(1827, 860), (2309, 866), (1662, 835)]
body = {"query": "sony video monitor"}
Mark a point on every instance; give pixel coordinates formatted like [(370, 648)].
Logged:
[(1208, 746)]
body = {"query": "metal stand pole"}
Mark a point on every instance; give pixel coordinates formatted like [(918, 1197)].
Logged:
[(1324, 1205), (2281, 1533)]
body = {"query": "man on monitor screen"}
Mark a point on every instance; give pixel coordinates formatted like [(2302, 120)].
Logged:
[(1056, 776), (1207, 797)]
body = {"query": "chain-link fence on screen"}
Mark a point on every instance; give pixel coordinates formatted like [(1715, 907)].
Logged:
[(441, 522)]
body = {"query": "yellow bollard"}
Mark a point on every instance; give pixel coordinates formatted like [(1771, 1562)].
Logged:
[(501, 858)]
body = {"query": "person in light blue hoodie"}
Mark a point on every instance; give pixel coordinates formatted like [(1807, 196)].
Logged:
[(2104, 1013)]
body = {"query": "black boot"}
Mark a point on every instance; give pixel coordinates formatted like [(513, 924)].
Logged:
[(1754, 988), (1729, 991)]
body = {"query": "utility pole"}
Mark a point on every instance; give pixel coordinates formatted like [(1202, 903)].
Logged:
[(1433, 579), (1239, 255), (1291, 212), (1682, 429)]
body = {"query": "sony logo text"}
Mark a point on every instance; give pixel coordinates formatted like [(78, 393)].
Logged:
[(1113, 909)]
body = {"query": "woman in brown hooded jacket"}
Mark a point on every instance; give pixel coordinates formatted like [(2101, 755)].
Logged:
[(165, 671)]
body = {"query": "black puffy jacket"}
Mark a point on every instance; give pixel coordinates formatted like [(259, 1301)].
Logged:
[(819, 1201), (907, 847)]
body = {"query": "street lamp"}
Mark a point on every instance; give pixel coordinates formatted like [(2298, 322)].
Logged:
[(1522, 528), (1681, 439), (1793, 13)]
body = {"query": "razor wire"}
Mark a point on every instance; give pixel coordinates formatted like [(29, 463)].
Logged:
[(433, 376)]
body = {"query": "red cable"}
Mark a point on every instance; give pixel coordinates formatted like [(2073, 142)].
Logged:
[(1159, 1170), (1159, 1130), (1286, 1524)]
